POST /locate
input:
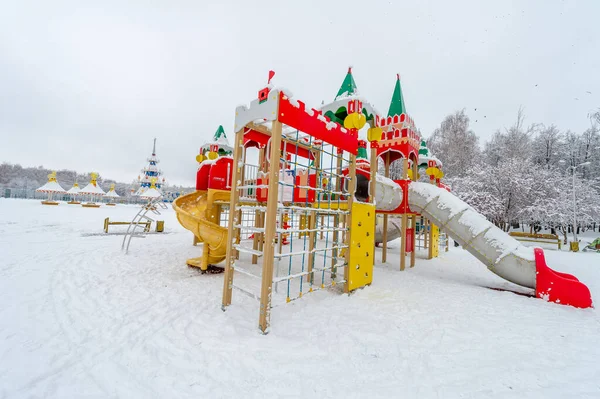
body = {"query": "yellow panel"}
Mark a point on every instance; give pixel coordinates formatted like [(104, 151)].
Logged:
[(362, 245), (435, 241), (333, 205)]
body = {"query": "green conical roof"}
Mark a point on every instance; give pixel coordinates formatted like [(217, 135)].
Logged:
[(220, 133), (348, 86), (423, 150), (397, 106), (362, 154)]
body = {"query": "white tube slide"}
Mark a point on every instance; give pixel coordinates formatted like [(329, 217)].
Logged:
[(394, 230), (388, 196), (501, 253)]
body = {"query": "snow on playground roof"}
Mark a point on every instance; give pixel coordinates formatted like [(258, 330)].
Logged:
[(222, 142), (343, 102), (51, 187), (424, 159), (220, 139), (92, 189)]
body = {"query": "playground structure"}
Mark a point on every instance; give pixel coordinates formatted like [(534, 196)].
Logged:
[(51, 187), (294, 209)]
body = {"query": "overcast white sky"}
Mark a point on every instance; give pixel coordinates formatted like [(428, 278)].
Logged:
[(87, 87)]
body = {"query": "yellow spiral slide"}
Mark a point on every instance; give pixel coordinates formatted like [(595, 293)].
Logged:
[(196, 212)]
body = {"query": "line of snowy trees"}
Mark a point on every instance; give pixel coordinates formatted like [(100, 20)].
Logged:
[(15, 176), (524, 173)]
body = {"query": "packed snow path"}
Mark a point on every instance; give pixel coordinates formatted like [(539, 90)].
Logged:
[(78, 318)]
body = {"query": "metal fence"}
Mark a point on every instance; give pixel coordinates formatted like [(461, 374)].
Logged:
[(30, 193)]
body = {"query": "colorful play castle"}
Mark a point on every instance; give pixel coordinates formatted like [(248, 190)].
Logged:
[(296, 203)]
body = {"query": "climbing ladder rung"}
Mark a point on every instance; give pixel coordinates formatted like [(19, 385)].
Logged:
[(250, 228), (245, 272), (306, 272), (247, 250), (307, 252), (246, 292)]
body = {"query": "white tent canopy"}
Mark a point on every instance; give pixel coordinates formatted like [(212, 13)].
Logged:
[(92, 189), (51, 187)]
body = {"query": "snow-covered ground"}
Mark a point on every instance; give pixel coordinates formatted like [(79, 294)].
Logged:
[(79, 318)]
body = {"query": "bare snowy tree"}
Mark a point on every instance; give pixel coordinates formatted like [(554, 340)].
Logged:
[(546, 146), (514, 143), (455, 145)]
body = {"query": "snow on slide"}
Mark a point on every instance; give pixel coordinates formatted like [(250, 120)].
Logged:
[(501, 253)]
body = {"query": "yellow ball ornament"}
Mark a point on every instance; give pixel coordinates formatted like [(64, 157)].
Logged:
[(360, 120), (374, 134), (349, 122), (213, 155), (200, 158), (355, 121)]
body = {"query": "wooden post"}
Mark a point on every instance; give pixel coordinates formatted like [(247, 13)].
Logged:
[(312, 225), (257, 218), (404, 222), (373, 181), (373, 188), (238, 147), (351, 192), (239, 216), (336, 218), (386, 164), (312, 222), (270, 223), (321, 234), (413, 218)]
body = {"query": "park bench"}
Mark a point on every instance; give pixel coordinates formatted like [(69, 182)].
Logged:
[(539, 238), (107, 223)]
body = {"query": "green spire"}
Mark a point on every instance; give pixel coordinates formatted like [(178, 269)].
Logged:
[(397, 106), (348, 87), (219, 133), (424, 150), (361, 155)]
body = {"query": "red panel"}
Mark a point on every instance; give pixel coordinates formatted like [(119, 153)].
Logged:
[(252, 136), (202, 176), (557, 287), (261, 193), (291, 148), (220, 174), (316, 125), (409, 240), (304, 194)]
